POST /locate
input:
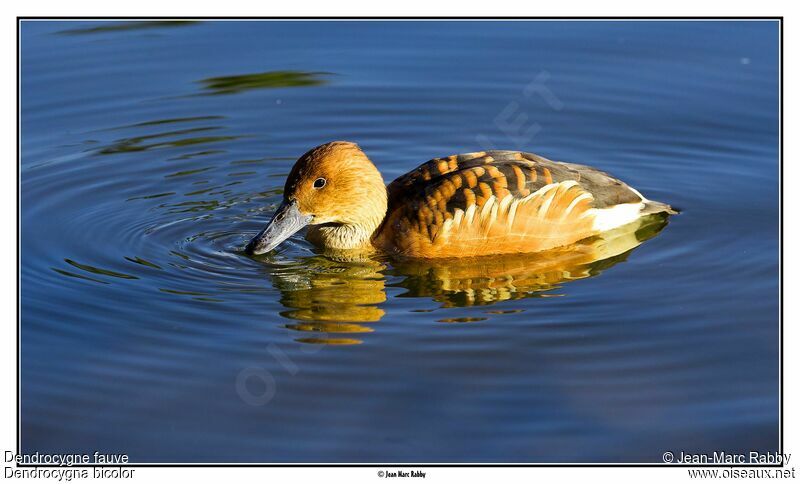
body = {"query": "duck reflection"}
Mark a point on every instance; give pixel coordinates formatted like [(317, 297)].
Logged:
[(334, 297), (488, 280)]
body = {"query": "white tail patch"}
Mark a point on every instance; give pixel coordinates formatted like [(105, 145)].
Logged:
[(616, 216)]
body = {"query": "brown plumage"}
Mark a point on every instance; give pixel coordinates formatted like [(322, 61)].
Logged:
[(490, 202)]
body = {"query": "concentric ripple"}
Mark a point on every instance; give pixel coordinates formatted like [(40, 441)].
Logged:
[(152, 152)]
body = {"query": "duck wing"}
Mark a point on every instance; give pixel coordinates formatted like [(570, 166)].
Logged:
[(495, 202)]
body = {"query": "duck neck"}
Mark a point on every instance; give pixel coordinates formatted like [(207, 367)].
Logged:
[(354, 233), (340, 236)]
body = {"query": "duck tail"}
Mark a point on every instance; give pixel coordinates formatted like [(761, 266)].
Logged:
[(651, 207)]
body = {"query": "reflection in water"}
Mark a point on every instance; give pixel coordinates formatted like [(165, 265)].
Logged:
[(488, 280), (461, 320), (327, 296), (142, 143), (96, 270), (342, 297), (188, 119), (139, 260), (262, 80), (105, 27), (189, 156)]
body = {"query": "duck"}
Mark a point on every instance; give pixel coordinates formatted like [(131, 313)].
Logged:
[(483, 203)]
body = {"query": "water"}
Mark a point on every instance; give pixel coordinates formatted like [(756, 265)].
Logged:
[(152, 153)]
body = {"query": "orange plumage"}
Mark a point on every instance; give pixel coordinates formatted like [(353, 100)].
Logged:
[(494, 202)]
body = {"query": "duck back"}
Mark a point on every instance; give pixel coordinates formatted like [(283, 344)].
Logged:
[(502, 202)]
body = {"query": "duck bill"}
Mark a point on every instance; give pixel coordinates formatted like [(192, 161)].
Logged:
[(286, 221)]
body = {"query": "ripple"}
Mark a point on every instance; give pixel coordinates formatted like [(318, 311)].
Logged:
[(461, 320), (138, 143), (139, 308), (263, 80), (98, 270)]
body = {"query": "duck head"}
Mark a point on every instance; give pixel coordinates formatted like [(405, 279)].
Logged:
[(337, 191)]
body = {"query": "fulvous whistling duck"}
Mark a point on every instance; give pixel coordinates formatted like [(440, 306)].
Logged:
[(484, 203)]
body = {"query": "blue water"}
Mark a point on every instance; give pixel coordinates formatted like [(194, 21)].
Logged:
[(145, 329)]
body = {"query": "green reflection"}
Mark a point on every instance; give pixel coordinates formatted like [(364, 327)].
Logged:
[(193, 206), (188, 172), (263, 80), (158, 122), (142, 143), (461, 320), (182, 293), (154, 195), (77, 276), (199, 192), (95, 270), (123, 26), (178, 254), (189, 156), (139, 260), (197, 296)]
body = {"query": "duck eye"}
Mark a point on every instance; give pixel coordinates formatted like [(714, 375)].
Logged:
[(319, 183)]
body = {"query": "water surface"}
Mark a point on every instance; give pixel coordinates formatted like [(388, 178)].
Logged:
[(152, 152)]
